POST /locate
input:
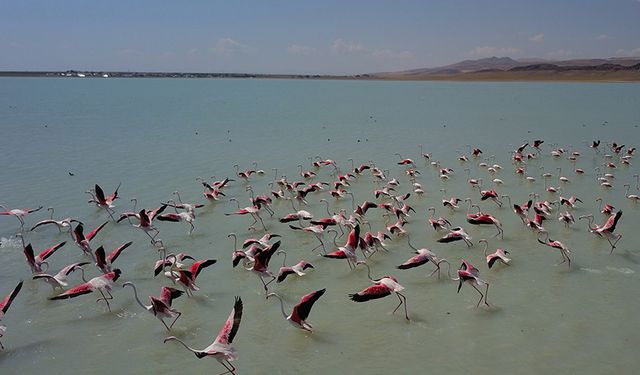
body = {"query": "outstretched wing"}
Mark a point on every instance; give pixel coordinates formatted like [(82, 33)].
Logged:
[(95, 231), (117, 251), (230, 328), (611, 223), (48, 252), (6, 301), (198, 266), (303, 308), (79, 290)]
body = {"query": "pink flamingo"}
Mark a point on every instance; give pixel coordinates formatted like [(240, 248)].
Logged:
[(61, 224), (59, 280), (498, 255), (607, 229), (261, 265), (348, 251), (5, 303), (160, 307), (82, 241), (382, 287), (285, 271), (221, 348), (456, 234), (300, 313), (19, 213), (424, 256), (104, 262), (102, 201), (101, 283), (564, 250), (469, 274), (188, 278), (36, 261)]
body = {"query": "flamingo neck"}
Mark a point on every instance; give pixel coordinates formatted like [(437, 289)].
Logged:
[(135, 295)]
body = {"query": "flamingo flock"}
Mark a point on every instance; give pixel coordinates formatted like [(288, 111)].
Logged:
[(388, 199)]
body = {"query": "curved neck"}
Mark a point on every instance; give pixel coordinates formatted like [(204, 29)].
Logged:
[(183, 344), (368, 272), (327, 203), (448, 266), (486, 246), (135, 295), (284, 259), (235, 240), (410, 244), (284, 313)]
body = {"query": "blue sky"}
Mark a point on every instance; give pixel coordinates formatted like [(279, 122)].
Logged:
[(335, 37)]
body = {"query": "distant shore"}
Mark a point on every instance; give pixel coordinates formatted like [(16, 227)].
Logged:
[(481, 76)]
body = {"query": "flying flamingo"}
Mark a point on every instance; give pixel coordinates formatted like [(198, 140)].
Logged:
[(348, 251), (486, 219), (468, 273), (607, 229), (61, 224), (160, 307), (188, 216), (608, 209), (104, 262), (498, 255), (188, 278), (19, 213), (101, 283), (382, 287), (102, 201), (261, 265), (439, 223), (300, 313), (59, 280), (251, 210), (564, 250), (82, 241), (424, 256), (5, 303), (145, 218), (221, 348), (567, 218), (456, 234), (36, 261), (569, 202), (285, 271)]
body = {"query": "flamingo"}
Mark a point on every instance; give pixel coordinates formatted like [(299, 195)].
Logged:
[(498, 255), (486, 219), (536, 223), (564, 250), (607, 229), (348, 251), (101, 283), (251, 210), (608, 209), (36, 261), (145, 218), (188, 278), (82, 241), (261, 265), (102, 201), (61, 224), (19, 213), (160, 307), (221, 348), (300, 313), (285, 271), (570, 202), (456, 234), (5, 303), (188, 216), (439, 223), (633, 197), (59, 280), (382, 287), (468, 273), (567, 218), (317, 230), (424, 256), (104, 262)]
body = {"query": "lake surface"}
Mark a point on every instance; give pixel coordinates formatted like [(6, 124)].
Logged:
[(157, 136)]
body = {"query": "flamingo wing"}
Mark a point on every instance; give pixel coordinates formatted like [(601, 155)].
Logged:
[(157, 212), (415, 261), (373, 292), (84, 288), (198, 266), (354, 237), (117, 251), (303, 308), (101, 259), (43, 222), (95, 231), (611, 223), (114, 195), (167, 295), (230, 328), (48, 252), (28, 252), (6, 301), (72, 267), (169, 217), (99, 194), (78, 232)]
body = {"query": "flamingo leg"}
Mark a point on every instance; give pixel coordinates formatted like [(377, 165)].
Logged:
[(165, 325), (261, 222), (403, 300), (104, 298), (174, 321)]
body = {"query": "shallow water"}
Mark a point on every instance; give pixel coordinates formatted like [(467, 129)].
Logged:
[(157, 136)]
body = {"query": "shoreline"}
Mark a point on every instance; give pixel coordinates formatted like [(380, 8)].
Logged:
[(505, 76)]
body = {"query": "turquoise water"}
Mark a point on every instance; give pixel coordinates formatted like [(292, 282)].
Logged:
[(157, 136)]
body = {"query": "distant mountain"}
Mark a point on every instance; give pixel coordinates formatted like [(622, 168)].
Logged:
[(506, 68)]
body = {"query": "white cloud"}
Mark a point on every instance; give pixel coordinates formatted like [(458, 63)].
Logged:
[(602, 37), (486, 51), (629, 52), (560, 54), (229, 47), (342, 45), (538, 38), (296, 49)]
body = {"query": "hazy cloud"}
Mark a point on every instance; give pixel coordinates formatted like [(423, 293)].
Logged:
[(538, 38), (341, 45), (560, 54), (229, 47), (486, 51), (602, 37), (296, 49), (629, 52)]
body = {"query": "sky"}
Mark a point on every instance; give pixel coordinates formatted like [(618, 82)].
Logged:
[(307, 37)]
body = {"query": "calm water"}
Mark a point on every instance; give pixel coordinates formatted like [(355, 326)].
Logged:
[(157, 136)]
